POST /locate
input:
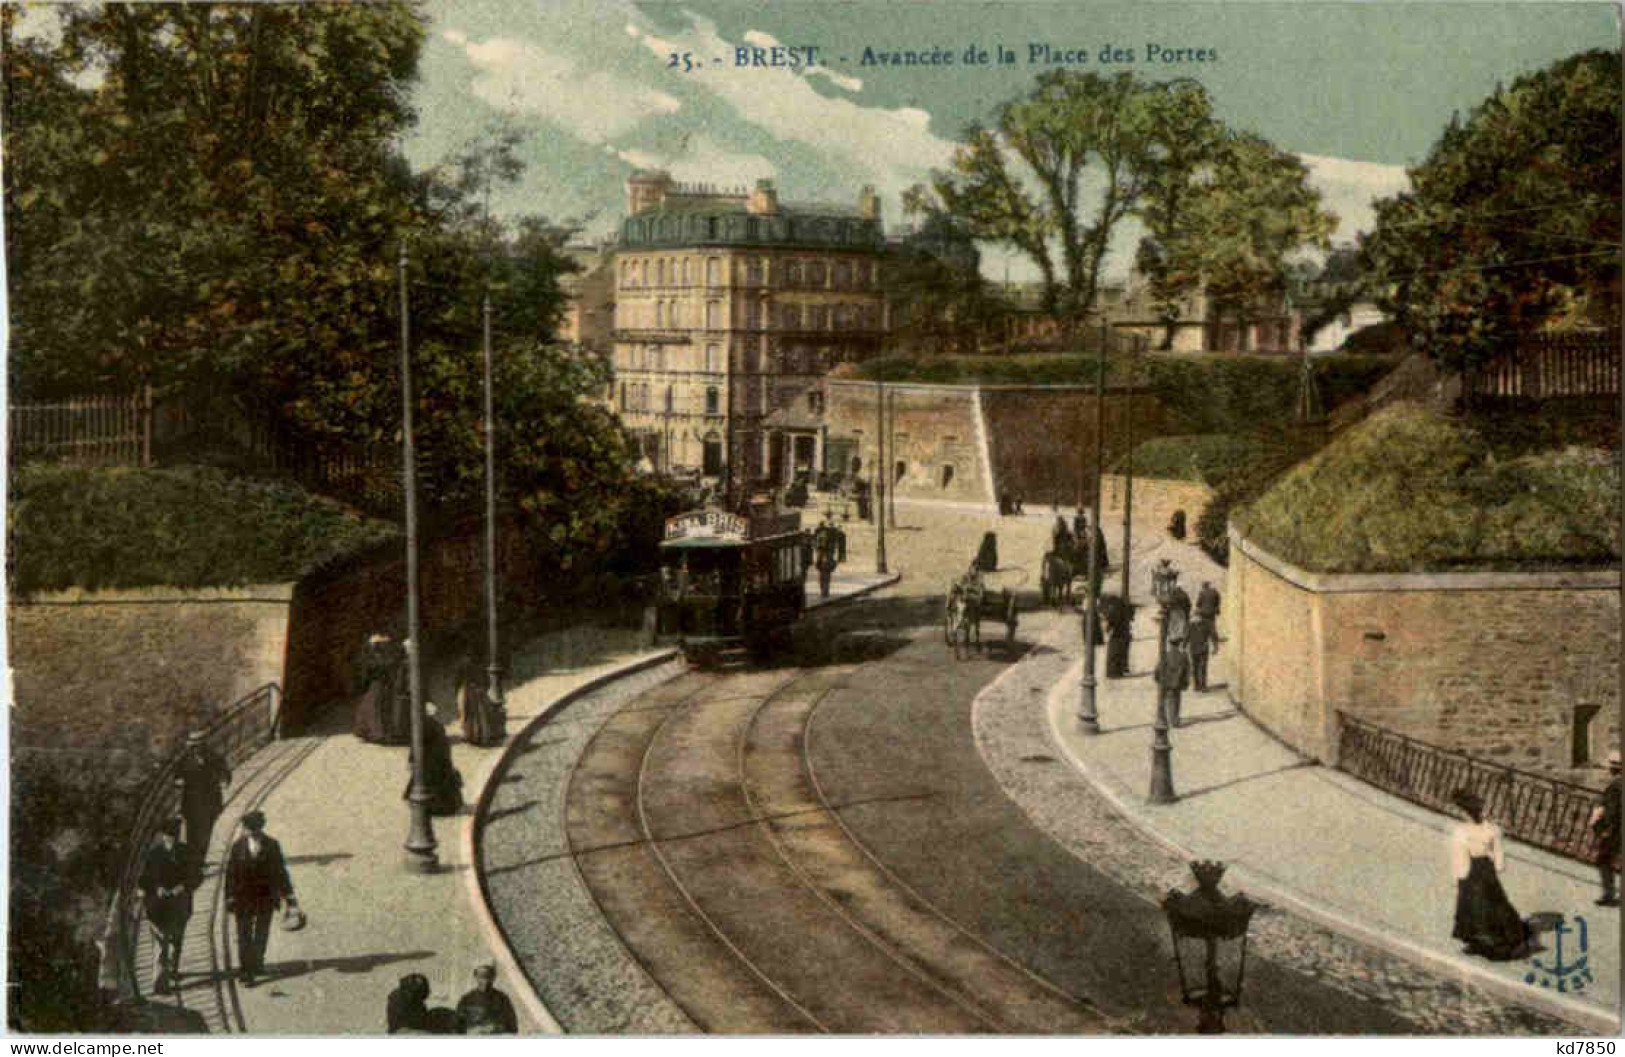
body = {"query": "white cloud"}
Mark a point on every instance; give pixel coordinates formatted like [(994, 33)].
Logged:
[(1348, 188), (892, 148), (590, 103)]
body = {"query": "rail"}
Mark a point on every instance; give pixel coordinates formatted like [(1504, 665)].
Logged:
[(246, 726), (1546, 812)]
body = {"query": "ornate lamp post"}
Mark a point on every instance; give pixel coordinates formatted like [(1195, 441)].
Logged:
[(493, 667), (1162, 750), (420, 842), (1210, 945), (880, 478)]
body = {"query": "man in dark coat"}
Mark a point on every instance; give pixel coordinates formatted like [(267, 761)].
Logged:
[(201, 778), (406, 1010), (1605, 823), (824, 556), (257, 884), (987, 556), (1203, 639), (1119, 617), (1207, 601), (167, 879), (485, 1010), (1173, 676)]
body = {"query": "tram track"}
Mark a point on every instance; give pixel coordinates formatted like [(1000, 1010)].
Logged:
[(698, 825)]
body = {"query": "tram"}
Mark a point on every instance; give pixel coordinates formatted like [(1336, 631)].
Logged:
[(728, 581)]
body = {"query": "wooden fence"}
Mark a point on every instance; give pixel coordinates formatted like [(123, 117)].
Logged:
[(1546, 812), (96, 430), (1551, 366)]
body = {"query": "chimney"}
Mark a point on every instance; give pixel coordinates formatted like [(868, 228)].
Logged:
[(869, 203), (646, 189), (764, 200)]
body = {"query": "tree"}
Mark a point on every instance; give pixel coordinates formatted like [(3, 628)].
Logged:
[(1255, 212), (935, 290), (1181, 170), (1513, 219), (1070, 124)]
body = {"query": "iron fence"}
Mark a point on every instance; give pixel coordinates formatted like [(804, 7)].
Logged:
[(1536, 809), (238, 733), (102, 429)]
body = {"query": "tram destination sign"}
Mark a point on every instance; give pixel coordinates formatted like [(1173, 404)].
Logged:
[(717, 523)]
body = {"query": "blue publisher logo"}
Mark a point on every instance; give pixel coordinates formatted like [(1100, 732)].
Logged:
[(1565, 967)]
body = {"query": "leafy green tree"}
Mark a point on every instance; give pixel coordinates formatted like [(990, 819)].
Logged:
[(934, 288), (1513, 220), (1020, 181)]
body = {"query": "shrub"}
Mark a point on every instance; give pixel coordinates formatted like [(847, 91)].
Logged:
[(1410, 490), (180, 527)]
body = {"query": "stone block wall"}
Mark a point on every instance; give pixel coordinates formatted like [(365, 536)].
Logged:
[(1500, 666), (332, 616), (935, 431), (123, 675), (971, 444), (1156, 499), (1042, 439)]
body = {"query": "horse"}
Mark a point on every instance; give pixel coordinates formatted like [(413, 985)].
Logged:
[(1055, 581)]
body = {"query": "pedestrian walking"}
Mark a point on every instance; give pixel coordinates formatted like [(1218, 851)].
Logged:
[(1179, 614), (484, 721), (1207, 602), (1202, 639), (1119, 635), (824, 558), (201, 776), (257, 884), (1605, 823), (1172, 677), (485, 1010), (168, 876), (444, 781), (1486, 920), (1061, 538)]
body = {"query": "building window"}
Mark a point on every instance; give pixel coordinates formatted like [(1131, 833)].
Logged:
[(792, 274), (713, 270), (712, 401), (816, 273), (623, 396), (843, 274), (668, 400), (947, 474), (815, 401), (713, 358), (753, 272), (660, 313), (713, 315), (660, 273)]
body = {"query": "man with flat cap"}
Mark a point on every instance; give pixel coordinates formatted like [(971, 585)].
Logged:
[(257, 884), (485, 1010)]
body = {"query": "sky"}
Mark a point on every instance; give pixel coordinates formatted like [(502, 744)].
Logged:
[(1359, 90)]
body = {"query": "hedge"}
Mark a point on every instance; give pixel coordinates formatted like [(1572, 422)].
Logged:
[(187, 526)]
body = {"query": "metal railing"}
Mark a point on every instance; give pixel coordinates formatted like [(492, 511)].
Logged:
[(238, 733), (1546, 812)]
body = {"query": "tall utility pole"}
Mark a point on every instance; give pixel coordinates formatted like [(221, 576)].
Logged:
[(493, 661), (420, 842), (1088, 716), (1128, 479), (493, 664), (880, 478)]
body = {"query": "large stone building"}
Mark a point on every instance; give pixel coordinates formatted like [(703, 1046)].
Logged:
[(729, 309)]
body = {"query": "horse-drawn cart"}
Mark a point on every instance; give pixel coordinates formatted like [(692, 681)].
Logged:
[(969, 602)]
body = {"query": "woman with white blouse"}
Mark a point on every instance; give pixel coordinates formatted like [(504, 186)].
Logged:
[(1486, 920)]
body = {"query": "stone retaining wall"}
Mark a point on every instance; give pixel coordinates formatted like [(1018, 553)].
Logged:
[(1500, 666), (1156, 498)]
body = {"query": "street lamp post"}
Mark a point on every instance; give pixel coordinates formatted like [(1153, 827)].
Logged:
[(493, 667), (1162, 750), (420, 842), (1088, 711), (1210, 945)]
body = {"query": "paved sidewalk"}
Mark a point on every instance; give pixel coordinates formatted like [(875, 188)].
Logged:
[(334, 803), (1313, 840)]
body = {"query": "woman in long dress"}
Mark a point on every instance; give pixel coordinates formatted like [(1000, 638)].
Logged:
[(374, 718), (1486, 920)]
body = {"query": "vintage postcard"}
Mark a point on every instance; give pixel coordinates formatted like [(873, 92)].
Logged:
[(653, 519)]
